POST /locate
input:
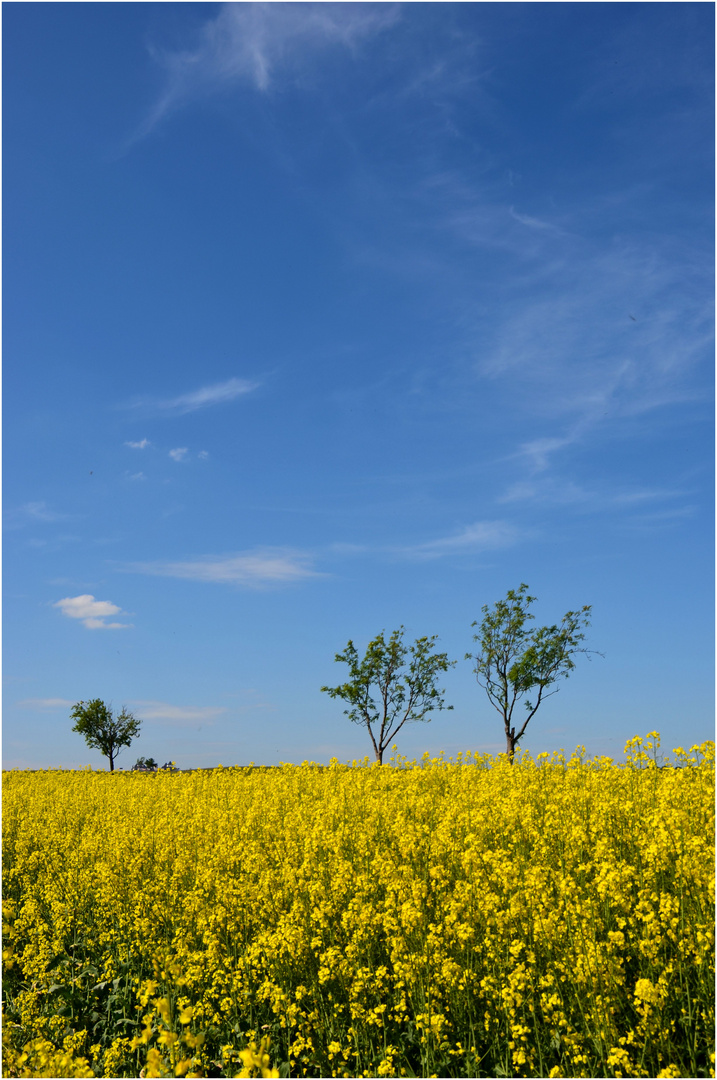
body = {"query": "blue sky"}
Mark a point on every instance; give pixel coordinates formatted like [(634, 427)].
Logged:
[(324, 319)]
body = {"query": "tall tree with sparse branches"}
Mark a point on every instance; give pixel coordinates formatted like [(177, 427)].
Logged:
[(514, 660), (103, 730), (392, 685)]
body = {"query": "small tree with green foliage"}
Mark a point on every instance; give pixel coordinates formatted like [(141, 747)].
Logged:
[(146, 763), (102, 730), (514, 660), (392, 685)]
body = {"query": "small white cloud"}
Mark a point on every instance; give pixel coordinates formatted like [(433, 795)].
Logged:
[(252, 569), (203, 455), (82, 607), (93, 613), (139, 445), (179, 454)]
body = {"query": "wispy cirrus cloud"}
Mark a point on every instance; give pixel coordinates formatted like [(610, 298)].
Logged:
[(141, 445), (250, 43), (40, 511), (179, 453), (584, 317), (598, 343), (533, 222), (557, 491), (598, 334), (33, 513), (204, 397), (258, 568), (537, 452), (266, 567), (93, 613), (480, 536), (553, 492)]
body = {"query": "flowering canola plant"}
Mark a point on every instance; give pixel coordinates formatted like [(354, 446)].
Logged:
[(439, 918)]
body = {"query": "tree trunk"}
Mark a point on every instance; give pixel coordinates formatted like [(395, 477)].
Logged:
[(379, 755), (112, 763), (511, 743)]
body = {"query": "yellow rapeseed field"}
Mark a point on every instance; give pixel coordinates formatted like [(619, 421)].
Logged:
[(439, 918)]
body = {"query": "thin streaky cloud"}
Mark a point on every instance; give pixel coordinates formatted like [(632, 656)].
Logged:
[(538, 451), (250, 569), (632, 498), (53, 544), (142, 445), (554, 491), (343, 548), (45, 703), (204, 397), (480, 536), (533, 222), (280, 566), (178, 714), (33, 512), (40, 511), (660, 516)]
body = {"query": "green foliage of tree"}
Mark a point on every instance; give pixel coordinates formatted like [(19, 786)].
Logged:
[(514, 660), (102, 730), (392, 685)]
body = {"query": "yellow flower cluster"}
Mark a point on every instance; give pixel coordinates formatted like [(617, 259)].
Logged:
[(449, 918)]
